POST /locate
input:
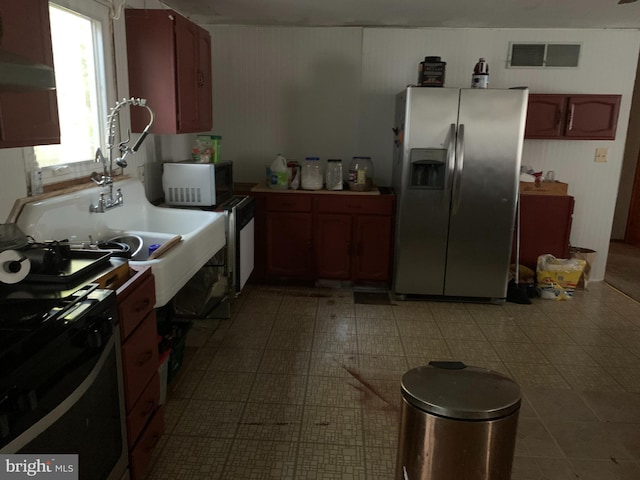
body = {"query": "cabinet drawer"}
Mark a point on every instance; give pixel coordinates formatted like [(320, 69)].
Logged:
[(136, 306), (140, 455), (289, 203), (355, 204), (143, 409), (140, 359)]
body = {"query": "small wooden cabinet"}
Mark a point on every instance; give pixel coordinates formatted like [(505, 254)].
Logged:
[(139, 336), (572, 117), (289, 236), (545, 227), (27, 117), (310, 235), (169, 63), (353, 237)]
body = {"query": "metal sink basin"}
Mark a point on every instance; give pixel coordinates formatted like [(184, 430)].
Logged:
[(68, 217)]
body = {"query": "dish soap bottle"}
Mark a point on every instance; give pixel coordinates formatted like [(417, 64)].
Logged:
[(480, 78)]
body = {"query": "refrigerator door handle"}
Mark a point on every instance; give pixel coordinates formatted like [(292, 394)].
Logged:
[(451, 159), (457, 180)]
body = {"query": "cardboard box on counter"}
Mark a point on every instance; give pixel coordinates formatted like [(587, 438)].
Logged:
[(544, 188)]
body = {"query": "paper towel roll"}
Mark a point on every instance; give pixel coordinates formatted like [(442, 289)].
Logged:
[(14, 267)]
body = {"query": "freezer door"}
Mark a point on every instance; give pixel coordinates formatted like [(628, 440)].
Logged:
[(489, 148), (423, 165)]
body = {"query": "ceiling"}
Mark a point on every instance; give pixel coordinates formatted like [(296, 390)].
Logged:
[(415, 13)]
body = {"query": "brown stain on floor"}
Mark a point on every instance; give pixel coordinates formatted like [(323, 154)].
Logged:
[(366, 387)]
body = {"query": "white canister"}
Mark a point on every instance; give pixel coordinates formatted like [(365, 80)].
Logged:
[(312, 174)]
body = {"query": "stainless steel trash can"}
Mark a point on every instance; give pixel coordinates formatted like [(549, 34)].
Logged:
[(457, 422)]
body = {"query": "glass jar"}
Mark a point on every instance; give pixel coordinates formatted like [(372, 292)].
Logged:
[(333, 175), (361, 174), (312, 174)]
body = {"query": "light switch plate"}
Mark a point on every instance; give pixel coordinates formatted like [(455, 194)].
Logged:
[(602, 155)]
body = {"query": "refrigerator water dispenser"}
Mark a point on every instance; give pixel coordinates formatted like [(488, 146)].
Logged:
[(428, 167)]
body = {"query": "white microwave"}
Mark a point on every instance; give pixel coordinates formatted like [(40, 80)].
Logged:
[(197, 184)]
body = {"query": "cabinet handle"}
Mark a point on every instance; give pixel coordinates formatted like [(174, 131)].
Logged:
[(200, 79), (571, 108), (142, 305), (145, 357), (558, 117), (155, 439), (152, 406)]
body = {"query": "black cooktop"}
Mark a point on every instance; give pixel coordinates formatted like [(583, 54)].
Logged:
[(28, 324)]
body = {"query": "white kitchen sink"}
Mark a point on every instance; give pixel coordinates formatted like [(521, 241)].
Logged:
[(68, 217)]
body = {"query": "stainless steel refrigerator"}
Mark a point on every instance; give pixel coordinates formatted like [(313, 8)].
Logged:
[(456, 167)]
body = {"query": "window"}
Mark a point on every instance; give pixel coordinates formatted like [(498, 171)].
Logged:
[(543, 55), (79, 51)]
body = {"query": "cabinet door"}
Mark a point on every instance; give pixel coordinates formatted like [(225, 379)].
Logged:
[(140, 359), (593, 117), (187, 61), (151, 67), (333, 246), (27, 118), (140, 454), (545, 227), (205, 116), (372, 256), (289, 244), (545, 116)]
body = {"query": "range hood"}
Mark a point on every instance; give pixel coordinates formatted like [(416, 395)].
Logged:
[(18, 74)]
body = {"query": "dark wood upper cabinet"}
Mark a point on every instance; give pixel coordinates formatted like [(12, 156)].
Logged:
[(169, 62), (572, 117), (27, 117)]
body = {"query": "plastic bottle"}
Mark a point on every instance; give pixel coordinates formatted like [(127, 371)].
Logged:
[(480, 77), (312, 174), (279, 173), (333, 176)]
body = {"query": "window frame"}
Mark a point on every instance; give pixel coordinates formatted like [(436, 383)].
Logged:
[(544, 59), (106, 83)]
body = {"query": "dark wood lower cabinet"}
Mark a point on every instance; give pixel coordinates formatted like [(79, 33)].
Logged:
[(334, 246), (545, 227), (289, 244), (336, 236), (373, 240)]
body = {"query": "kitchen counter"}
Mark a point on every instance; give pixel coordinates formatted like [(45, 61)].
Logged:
[(262, 188)]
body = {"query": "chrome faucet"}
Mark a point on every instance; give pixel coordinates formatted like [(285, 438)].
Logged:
[(105, 203)]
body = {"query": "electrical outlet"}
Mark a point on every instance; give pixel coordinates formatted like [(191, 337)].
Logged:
[(602, 155), (141, 173)]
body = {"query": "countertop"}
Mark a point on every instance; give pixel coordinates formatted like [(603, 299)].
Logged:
[(262, 188)]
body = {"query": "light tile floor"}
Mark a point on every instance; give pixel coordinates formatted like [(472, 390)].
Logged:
[(302, 383)]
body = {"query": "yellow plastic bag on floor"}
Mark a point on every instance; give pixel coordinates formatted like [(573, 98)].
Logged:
[(558, 277)]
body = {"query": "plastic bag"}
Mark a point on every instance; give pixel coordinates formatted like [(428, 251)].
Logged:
[(558, 277)]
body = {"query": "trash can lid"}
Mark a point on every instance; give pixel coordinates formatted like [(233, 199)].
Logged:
[(458, 391)]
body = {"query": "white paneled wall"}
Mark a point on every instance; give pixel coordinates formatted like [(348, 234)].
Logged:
[(293, 91), (330, 92)]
